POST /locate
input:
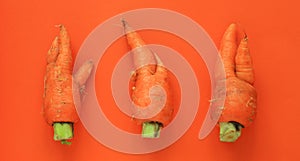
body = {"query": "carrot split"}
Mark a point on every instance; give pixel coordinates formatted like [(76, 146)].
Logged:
[(240, 104), (150, 72), (59, 109)]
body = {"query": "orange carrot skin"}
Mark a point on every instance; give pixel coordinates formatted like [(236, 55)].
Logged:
[(141, 54), (240, 102), (148, 76), (64, 59), (244, 66), (140, 95), (53, 51), (58, 100), (241, 97), (59, 104)]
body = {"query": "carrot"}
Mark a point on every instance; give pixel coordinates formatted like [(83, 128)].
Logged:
[(59, 110), (150, 72), (240, 103)]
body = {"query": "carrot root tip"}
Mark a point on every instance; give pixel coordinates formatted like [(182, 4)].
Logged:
[(230, 131)]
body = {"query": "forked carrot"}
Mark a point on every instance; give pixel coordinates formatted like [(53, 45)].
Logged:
[(240, 103), (150, 72), (59, 110)]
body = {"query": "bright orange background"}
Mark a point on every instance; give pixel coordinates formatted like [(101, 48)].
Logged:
[(273, 28)]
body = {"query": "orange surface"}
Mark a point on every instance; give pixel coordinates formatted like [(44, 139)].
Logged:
[(273, 28)]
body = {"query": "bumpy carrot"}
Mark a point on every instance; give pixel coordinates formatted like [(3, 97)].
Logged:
[(149, 73), (59, 110), (240, 103)]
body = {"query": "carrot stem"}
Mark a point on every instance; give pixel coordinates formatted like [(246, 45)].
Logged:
[(63, 131), (230, 131), (151, 129)]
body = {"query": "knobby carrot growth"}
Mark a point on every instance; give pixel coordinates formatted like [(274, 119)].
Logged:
[(150, 72), (240, 104), (59, 109)]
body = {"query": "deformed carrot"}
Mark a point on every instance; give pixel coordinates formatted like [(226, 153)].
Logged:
[(58, 83), (150, 72), (240, 104), (59, 110)]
